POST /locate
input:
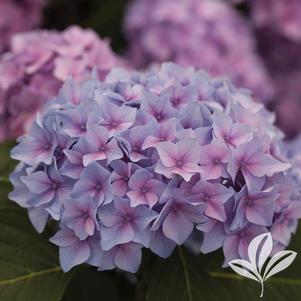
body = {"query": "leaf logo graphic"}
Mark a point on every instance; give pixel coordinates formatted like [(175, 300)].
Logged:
[(259, 251)]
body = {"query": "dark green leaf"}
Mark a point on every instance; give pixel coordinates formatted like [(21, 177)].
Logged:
[(6, 163), (184, 277), (105, 17), (90, 284), (29, 268)]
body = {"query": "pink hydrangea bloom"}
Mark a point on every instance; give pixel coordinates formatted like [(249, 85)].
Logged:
[(284, 16), (37, 64), (205, 34), (288, 102), (17, 16), (282, 57), (278, 32)]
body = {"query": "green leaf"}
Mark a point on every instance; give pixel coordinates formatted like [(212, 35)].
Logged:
[(184, 277), (6, 163), (29, 269), (90, 284)]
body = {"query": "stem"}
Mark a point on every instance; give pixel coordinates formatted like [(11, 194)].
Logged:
[(262, 289)]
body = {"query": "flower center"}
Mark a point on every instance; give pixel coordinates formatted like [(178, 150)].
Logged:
[(128, 218), (216, 161), (185, 82), (206, 198), (227, 138), (159, 117), (98, 187), (144, 190), (176, 101), (54, 186), (200, 98), (179, 163), (249, 202), (174, 208), (47, 146)]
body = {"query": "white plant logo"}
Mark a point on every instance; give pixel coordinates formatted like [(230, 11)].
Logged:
[(259, 250)]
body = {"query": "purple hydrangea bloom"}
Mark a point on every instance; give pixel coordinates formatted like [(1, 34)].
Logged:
[(120, 171), (277, 28), (213, 160), (123, 223), (80, 216), (73, 251), (181, 158), (37, 147), (254, 163), (236, 244), (18, 16), (102, 148), (282, 57), (213, 196), (126, 257), (178, 216), (287, 105), (48, 185), (202, 34), (293, 148), (36, 64), (284, 16), (95, 182), (144, 189), (256, 207), (212, 228)]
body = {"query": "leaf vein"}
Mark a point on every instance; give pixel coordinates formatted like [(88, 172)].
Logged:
[(30, 276)]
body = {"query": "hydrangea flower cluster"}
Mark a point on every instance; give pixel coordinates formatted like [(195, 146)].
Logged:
[(284, 16), (203, 34), (149, 160), (277, 24), (36, 66), (282, 57), (14, 17), (287, 105)]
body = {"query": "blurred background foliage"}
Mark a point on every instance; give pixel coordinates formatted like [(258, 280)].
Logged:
[(103, 16)]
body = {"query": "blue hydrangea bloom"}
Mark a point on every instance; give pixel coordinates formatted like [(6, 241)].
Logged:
[(147, 160)]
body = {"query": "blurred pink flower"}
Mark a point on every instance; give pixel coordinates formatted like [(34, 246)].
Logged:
[(284, 16), (36, 65), (204, 34), (283, 60), (17, 16)]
